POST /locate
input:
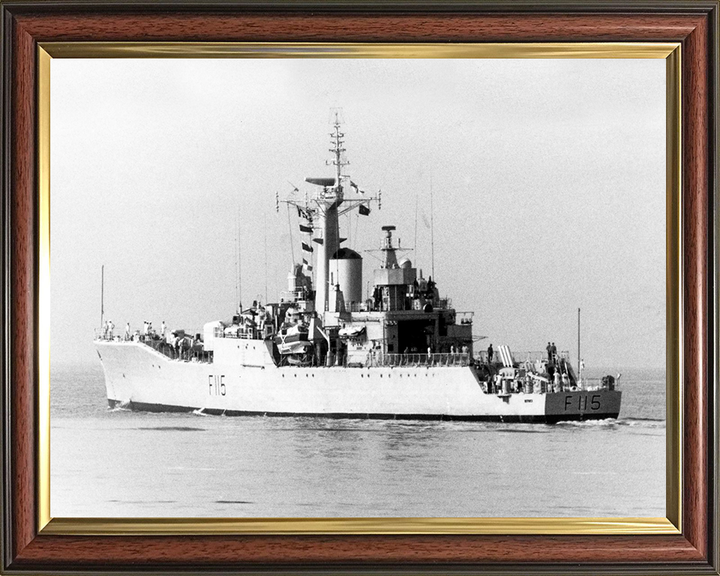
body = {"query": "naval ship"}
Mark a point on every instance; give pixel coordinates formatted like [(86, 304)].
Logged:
[(402, 352)]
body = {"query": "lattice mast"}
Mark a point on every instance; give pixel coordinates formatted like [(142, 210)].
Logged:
[(328, 202), (322, 211)]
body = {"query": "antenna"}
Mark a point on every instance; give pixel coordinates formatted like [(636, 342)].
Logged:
[(238, 263), (290, 230), (266, 261), (416, 219), (102, 295), (357, 222), (432, 230), (578, 356), (337, 148), (237, 297)]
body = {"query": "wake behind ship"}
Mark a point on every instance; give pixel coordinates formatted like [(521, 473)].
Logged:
[(402, 352)]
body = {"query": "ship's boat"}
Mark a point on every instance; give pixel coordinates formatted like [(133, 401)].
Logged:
[(292, 340), (325, 349)]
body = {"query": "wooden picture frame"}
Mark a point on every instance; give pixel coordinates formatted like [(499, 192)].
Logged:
[(31, 545)]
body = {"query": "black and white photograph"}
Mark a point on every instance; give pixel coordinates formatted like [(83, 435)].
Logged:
[(358, 287)]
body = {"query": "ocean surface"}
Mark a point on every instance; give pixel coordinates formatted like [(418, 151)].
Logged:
[(118, 463)]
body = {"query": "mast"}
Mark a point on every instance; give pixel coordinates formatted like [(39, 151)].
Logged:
[(338, 150), (416, 221), (578, 356), (102, 295), (322, 211), (290, 233), (329, 199), (266, 261), (238, 264), (432, 231)]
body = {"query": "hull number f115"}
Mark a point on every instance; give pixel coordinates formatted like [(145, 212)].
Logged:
[(581, 402), (216, 385)]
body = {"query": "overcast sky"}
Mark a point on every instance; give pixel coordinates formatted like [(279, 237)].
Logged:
[(548, 180)]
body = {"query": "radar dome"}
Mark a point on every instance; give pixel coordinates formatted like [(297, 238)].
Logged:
[(346, 254), (405, 263)]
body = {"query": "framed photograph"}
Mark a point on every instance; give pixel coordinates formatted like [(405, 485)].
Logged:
[(359, 287)]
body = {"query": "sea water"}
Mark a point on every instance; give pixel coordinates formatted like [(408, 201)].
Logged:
[(119, 463)]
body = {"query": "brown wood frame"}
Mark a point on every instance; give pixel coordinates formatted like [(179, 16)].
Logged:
[(694, 24)]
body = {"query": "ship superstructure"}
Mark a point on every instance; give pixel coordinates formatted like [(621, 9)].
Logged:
[(399, 351)]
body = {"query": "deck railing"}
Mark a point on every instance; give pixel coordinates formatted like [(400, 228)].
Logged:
[(192, 354), (448, 359), (523, 356)]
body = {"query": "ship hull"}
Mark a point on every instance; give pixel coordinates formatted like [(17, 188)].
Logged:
[(139, 378)]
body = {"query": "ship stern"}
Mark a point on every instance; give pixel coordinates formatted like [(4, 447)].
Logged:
[(582, 405)]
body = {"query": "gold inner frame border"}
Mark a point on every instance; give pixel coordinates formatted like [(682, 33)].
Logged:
[(671, 524)]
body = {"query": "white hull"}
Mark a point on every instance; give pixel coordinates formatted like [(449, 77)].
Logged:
[(138, 376)]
